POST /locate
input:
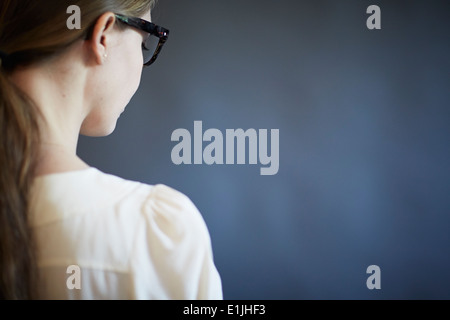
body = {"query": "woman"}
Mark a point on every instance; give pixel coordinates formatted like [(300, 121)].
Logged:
[(67, 230)]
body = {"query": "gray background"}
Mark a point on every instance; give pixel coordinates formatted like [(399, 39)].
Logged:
[(364, 120)]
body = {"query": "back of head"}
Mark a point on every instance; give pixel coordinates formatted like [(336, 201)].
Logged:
[(30, 32)]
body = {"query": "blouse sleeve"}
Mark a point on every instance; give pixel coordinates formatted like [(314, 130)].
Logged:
[(172, 255)]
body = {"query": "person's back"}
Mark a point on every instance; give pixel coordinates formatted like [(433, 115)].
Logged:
[(103, 237)]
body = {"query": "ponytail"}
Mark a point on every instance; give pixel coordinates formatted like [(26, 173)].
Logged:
[(19, 137)]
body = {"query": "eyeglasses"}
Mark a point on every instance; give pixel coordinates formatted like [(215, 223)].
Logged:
[(152, 46)]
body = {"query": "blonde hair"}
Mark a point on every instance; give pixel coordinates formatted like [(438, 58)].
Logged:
[(30, 32)]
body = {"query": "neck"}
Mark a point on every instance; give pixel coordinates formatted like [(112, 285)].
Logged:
[(58, 93)]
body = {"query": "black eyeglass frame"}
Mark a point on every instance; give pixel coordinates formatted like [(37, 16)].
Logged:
[(149, 27)]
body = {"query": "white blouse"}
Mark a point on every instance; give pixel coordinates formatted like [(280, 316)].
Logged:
[(102, 237)]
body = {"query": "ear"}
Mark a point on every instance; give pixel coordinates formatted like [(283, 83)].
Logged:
[(101, 37)]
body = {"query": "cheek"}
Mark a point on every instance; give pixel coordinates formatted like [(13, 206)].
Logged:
[(132, 63), (120, 81), (124, 75)]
